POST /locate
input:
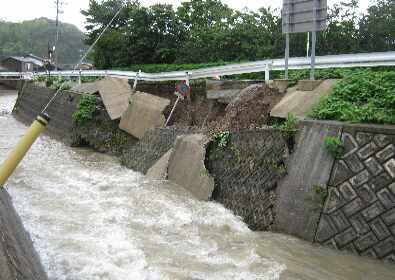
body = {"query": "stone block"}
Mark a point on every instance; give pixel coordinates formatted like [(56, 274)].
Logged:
[(390, 167), (144, 113), (380, 181), (386, 198), (386, 153), (367, 150), (367, 194), (385, 247), (186, 166), (308, 85), (340, 221), (382, 139), (359, 224), (366, 241), (347, 191), (345, 237), (354, 163), (373, 166), (379, 228), (373, 211), (353, 207), (360, 178), (159, 169), (389, 217)]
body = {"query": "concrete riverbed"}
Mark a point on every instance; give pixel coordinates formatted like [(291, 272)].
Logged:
[(90, 218)]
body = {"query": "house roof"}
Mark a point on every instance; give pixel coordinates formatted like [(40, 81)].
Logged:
[(29, 59)]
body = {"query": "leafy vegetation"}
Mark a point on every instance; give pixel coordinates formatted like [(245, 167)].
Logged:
[(321, 193), (334, 145), (289, 127), (33, 36), (364, 96), (201, 31), (222, 138), (85, 109)]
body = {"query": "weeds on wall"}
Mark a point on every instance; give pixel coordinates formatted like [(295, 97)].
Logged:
[(335, 146), (321, 193), (85, 109), (288, 130), (222, 138), (364, 96)]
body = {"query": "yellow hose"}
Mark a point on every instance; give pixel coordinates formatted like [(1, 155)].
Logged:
[(19, 152)]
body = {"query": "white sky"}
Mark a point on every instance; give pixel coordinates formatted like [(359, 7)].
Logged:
[(19, 10)]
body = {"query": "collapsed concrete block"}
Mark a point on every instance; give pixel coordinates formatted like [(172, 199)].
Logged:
[(186, 166), (114, 92), (144, 112), (159, 169), (300, 103)]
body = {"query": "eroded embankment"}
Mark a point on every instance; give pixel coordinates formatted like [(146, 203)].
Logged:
[(347, 203)]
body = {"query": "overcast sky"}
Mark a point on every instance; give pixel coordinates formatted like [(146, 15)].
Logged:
[(19, 10)]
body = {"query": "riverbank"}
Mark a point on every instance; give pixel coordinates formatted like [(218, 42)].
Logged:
[(345, 203), (90, 218)]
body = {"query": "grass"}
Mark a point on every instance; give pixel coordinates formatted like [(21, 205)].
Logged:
[(364, 96)]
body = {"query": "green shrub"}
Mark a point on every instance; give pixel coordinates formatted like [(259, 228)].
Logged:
[(334, 145), (85, 109), (222, 138), (365, 96), (289, 127), (321, 193)]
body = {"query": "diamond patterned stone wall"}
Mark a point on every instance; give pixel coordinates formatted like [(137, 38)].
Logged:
[(359, 213)]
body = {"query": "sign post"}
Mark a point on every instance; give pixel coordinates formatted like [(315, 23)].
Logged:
[(303, 16)]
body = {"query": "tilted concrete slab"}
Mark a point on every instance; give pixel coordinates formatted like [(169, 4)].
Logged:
[(298, 207), (144, 112), (186, 166), (159, 169), (299, 102), (114, 92)]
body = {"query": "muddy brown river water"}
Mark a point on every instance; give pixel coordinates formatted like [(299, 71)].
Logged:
[(92, 219)]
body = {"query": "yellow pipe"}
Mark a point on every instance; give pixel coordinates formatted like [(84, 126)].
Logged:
[(16, 156)]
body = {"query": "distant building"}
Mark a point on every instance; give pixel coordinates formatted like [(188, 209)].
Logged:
[(26, 63)]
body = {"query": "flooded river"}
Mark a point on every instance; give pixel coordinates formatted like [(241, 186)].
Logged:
[(92, 219)]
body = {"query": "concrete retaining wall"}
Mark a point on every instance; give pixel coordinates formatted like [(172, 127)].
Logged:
[(32, 100), (246, 172), (359, 212), (18, 259)]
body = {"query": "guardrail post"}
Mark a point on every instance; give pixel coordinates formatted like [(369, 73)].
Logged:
[(136, 80), (267, 72), (79, 78)]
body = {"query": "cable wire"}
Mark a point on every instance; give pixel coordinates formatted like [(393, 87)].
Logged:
[(81, 60)]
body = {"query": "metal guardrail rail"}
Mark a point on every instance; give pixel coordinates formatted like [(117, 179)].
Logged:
[(328, 61)]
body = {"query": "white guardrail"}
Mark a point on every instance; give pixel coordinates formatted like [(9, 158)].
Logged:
[(328, 61)]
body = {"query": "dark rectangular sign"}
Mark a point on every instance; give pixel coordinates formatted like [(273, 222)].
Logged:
[(298, 15)]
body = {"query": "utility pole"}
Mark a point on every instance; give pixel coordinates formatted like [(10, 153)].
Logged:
[(59, 4)]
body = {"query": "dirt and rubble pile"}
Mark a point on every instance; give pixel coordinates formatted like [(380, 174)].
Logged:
[(250, 109)]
